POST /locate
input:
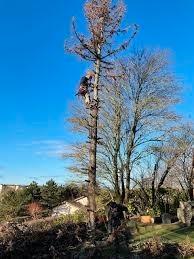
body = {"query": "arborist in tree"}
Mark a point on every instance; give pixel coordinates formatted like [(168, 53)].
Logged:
[(85, 87), (115, 215)]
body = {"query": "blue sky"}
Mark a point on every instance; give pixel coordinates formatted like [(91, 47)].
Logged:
[(38, 80)]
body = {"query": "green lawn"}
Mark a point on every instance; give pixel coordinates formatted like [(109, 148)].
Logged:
[(180, 234), (173, 232)]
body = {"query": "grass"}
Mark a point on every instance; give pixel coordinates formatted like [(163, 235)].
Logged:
[(179, 235), (172, 233)]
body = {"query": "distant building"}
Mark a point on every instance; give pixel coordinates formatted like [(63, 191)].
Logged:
[(70, 207), (11, 187)]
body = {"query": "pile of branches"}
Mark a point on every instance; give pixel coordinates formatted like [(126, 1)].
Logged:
[(158, 248), (50, 240), (73, 240), (22, 241)]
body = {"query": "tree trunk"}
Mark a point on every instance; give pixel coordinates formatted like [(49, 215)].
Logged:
[(163, 178), (117, 141), (191, 193), (153, 193), (116, 182), (156, 166), (93, 136), (122, 188), (128, 164), (128, 180)]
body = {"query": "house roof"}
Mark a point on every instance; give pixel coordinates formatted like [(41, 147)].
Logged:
[(74, 203)]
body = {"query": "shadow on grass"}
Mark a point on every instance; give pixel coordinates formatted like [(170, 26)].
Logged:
[(179, 235), (175, 242), (177, 231)]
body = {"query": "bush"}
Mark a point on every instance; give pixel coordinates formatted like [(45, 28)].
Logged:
[(12, 205), (186, 248), (73, 191), (34, 209), (53, 195), (27, 201), (131, 208), (74, 218), (153, 247), (103, 197), (32, 193), (41, 240), (156, 248)]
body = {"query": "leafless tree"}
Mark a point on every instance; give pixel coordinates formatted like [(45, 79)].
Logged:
[(137, 115), (184, 167), (104, 23), (169, 164)]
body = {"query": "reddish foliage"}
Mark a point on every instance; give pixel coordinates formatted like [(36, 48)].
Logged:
[(100, 218), (34, 209)]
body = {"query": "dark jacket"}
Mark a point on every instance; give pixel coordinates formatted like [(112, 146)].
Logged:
[(115, 215), (84, 85)]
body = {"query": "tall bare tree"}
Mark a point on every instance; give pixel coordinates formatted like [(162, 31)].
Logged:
[(137, 115), (170, 165), (184, 166), (104, 23), (111, 131), (140, 91), (151, 92)]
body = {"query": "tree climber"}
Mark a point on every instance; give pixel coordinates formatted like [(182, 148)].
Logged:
[(85, 87)]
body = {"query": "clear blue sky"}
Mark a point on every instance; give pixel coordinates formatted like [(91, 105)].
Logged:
[(38, 81)]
